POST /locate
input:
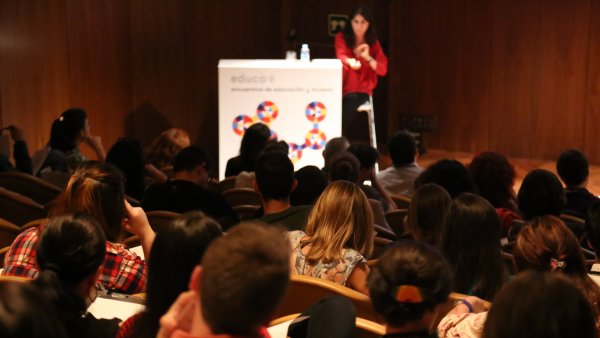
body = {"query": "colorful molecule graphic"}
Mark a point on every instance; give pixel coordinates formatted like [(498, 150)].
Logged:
[(267, 111)]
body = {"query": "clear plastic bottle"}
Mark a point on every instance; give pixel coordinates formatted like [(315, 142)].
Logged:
[(305, 53)]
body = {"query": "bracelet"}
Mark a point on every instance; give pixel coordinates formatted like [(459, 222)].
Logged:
[(369, 60), (466, 303)]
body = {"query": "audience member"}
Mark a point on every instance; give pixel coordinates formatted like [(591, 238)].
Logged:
[(70, 253), (427, 212), (573, 168), (407, 285), (338, 239), (367, 157), (255, 139), (95, 189), (450, 175), (187, 190), (127, 155), (540, 305), (311, 183), (236, 291), (24, 313), (592, 227), (344, 166), (176, 251), (20, 153), (62, 153), (400, 177), (494, 176), (332, 148), (275, 181), (161, 152), (471, 243)]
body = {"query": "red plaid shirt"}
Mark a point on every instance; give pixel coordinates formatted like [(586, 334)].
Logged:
[(122, 271)]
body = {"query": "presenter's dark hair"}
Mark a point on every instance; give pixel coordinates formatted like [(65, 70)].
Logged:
[(572, 167), (402, 148), (370, 35)]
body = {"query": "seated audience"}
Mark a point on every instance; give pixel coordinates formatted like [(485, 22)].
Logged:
[(20, 153), (62, 153), (494, 176), (175, 253), (236, 290), (70, 253), (407, 285), (255, 139), (311, 183), (275, 181), (24, 313), (187, 190), (470, 241), (367, 157), (95, 189), (161, 152), (592, 227), (400, 177), (426, 214), (450, 175), (127, 155), (573, 168), (332, 148), (338, 239)]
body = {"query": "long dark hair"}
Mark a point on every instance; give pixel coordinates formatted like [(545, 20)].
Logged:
[(471, 243), (70, 249), (370, 35), (66, 129), (127, 155), (175, 252), (427, 212)]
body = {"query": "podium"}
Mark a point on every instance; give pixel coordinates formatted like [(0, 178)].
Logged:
[(301, 102)]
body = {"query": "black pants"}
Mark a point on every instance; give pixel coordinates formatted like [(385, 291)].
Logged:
[(355, 125)]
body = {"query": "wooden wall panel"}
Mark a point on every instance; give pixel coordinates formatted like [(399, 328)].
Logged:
[(592, 92), (33, 62), (442, 53), (538, 76), (99, 64)]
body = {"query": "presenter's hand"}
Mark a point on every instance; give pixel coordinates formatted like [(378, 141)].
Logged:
[(362, 51), (354, 63)]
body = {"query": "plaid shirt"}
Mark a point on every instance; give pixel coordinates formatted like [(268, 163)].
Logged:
[(122, 270)]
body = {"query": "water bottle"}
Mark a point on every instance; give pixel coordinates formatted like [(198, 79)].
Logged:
[(305, 53)]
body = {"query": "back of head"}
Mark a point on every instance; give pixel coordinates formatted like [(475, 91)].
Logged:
[(572, 167), (334, 146), (493, 175), (427, 213), (341, 218), (176, 250), (67, 128), (24, 313), (541, 194), (402, 148), (471, 243), (191, 157), (344, 166), (255, 139), (95, 189), (367, 156), (163, 149), (70, 249), (592, 226), (540, 305), (450, 175), (127, 155), (311, 183), (407, 281), (244, 277), (274, 175)]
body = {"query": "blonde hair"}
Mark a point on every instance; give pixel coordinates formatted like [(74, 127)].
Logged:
[(164, 148), (341, 218)]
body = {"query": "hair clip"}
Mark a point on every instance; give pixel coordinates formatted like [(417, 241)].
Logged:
[(61, 118), (556, 264), (408, 294)]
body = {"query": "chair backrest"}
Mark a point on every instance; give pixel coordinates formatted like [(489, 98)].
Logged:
[(378, 212), (385, 232), (364, 327), (402, 201), (303, 291), (8, 232), (30, 186), (246, 212), (227, 183), (395, 219), (571, 219), (56, 178), (509, 262), (242, 196), (19, 209), (379, 246), (160, 219)]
